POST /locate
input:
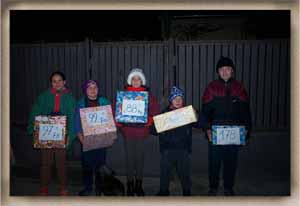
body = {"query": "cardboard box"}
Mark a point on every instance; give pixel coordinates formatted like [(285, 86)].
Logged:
[(175, 118), (98, 127), (50, 132), (132, 107), (228, 135)]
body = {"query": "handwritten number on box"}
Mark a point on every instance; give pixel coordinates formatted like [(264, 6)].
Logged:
[(51, 132), (133, 107), (97, 118), (228, 135)]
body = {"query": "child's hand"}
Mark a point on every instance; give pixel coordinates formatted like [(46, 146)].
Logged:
[(80, 137), (139, 98), (66, 140), (209, 135)]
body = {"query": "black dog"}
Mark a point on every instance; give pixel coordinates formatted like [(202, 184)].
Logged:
[(107, 184)]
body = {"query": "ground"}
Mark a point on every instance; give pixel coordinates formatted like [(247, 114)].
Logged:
[(264, 168)]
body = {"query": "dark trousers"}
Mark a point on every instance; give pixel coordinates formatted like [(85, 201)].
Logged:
[(91, 162), (48, 156), (134, 151), (181, 159), (226, 155)]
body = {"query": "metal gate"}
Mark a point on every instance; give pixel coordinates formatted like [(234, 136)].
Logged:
[(262, 66)]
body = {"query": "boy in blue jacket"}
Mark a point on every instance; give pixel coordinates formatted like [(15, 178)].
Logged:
[(175, 148)]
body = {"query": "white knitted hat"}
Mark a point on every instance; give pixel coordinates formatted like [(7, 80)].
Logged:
[(136, 72)]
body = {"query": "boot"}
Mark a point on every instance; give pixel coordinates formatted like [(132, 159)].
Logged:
[(63, 191), (99, 184), (88, 182), (163, 193), (130, 188), (213, 192), (229, 192), (86, 192), (43, 191), (186, 192), (139, 188)]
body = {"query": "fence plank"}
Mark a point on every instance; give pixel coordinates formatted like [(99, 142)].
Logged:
[(189, 92), (274, 87), (196, 77), (181, 67), (268, 85), (260, 88), (203, 69), (254, 80), (211, 67)]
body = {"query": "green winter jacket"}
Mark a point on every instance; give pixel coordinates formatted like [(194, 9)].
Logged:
[(45, 106)]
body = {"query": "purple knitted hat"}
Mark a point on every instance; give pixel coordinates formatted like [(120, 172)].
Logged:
[(87, 83)]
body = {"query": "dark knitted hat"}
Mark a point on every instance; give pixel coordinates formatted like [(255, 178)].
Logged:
[(225, 61), (87, 83)]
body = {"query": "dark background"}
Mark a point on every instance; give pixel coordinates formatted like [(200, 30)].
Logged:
[(73, 26)]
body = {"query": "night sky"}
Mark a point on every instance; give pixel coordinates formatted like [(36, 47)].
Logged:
[(28, 26)]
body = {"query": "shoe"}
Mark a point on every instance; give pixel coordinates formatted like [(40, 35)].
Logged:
[(63, 192), (98, 184), (212, 192), (43, 191), (130, 188), (139, 188), (229, 192), (186, 193), (163, 193), (86, 192)]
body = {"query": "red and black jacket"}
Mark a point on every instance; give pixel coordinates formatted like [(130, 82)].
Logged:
[(226, 103)]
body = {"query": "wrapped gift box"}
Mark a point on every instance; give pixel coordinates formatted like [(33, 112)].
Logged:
[(175, 118), (132, 107), (50, 132), (98, 127), (228, 135)]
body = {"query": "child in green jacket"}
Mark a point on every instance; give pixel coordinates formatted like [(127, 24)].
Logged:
[(57, 100)]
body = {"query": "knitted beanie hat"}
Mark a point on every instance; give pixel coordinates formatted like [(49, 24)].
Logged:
[(136, 72), (88, 83), (225, 61), (175, 92)]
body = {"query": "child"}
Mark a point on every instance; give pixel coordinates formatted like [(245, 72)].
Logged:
[(175, 147), (55, 101), (135, 134), (91, 160)]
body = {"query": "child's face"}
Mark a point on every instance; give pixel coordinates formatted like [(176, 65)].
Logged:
[(225, 72), (57, 82), (92, 91), (177, 102), (136, 81)]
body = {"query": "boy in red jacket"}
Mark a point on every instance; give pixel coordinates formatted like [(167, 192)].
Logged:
[(135, 134)]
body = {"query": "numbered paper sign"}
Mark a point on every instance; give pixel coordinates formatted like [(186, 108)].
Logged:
[(97, 118), (50, 132), (132, 107), (228, 135)]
